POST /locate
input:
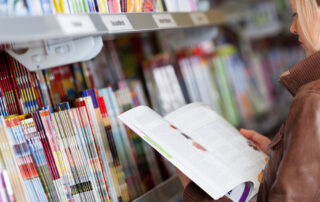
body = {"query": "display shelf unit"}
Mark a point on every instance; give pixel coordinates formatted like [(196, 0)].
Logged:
[(53, 40), (35, 28), (167, 191), (31, 31)]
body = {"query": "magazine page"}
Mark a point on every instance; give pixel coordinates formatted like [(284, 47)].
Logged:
[(208, 170), (209, 130)]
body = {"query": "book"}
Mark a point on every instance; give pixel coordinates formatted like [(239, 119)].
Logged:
[(203, 145), (199, 84), (149, 6), (171, 5), (163, 86)]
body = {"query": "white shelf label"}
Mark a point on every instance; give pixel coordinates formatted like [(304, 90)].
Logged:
[(117, 22), (164, 20), (199, 18), (77, 24)]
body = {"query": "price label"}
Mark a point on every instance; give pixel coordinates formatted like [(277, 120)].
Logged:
[(199, 18), (76, 24), (117, 22), (164, 20)]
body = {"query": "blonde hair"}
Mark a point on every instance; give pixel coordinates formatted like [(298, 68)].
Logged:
[(309, 20)]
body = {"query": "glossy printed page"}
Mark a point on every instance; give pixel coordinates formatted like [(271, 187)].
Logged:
[(220, 139)]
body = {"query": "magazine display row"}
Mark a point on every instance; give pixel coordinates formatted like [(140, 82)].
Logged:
[(237, 89), (80, 153), (39, 7)]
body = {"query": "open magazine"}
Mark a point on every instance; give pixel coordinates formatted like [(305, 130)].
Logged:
[(204, 146)]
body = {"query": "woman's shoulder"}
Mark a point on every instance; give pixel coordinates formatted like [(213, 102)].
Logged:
[(306, 101), (304, 115), (308, 89)]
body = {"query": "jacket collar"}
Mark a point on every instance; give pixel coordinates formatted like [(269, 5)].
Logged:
[(306, 71)]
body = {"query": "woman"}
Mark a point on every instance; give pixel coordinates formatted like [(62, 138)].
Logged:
[(293, 170)]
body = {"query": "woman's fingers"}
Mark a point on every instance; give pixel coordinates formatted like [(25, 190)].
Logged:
[(253, 145), (253, 136), (256, 140)]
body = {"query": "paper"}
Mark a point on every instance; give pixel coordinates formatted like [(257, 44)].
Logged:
[(75, 24), (199, 18), (117, 22), (164, 20)]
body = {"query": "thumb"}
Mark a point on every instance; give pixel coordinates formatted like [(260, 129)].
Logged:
[(249, 134)]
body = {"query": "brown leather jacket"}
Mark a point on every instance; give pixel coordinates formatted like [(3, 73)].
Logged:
[(293, 170)]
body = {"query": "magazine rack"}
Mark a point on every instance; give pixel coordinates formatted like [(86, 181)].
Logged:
[(53, 40)]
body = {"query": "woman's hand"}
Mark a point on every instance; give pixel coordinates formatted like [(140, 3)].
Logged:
[(256, 140)]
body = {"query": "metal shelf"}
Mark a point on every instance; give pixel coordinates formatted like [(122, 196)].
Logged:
[(35, 28), (165, 192)]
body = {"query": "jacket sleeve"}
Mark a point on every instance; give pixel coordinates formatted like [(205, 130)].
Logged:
[(193, 193), (298, 173)]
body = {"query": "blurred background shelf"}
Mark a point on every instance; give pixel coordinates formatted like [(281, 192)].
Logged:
[(262, 32)]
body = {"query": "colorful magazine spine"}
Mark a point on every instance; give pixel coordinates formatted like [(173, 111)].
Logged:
[(65, 192), (67, 160), (149, 6), (11, 165), (122, 144), (87, 145), (229, 107), (7, 88), (38, 155), (126, 103), (25, 161), (43, 88), (3, 105), (96, 138), (80, 183), (11, 66), (117, 170), (50, 155), (102, 144)]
